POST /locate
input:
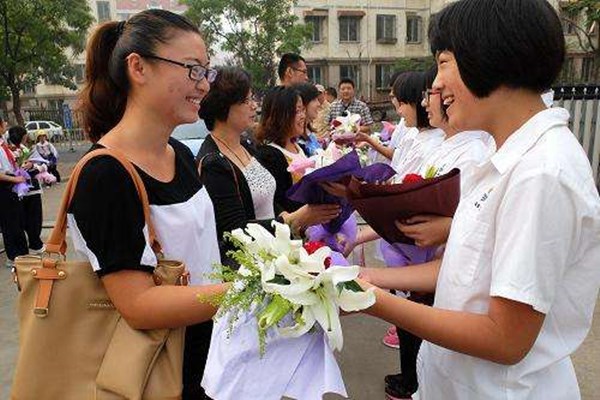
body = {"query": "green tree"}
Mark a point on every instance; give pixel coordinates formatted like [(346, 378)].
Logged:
[(255, 32), (587, 31), (414, 64), (34, 38)]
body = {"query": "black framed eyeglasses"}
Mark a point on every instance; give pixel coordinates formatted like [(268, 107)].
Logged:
[(197, 72), (425, 95), (304, 71)]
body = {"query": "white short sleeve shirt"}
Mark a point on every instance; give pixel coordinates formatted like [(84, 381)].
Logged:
[(410, 160), (464, 151), (529, 231)]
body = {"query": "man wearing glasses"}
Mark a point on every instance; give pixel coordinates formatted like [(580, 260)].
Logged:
[(292, 69)]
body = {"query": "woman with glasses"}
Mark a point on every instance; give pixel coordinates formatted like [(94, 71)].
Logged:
[(282, 122), (310, 99), (241, 188), (144, 77)]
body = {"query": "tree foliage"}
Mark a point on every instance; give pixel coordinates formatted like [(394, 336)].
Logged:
[(414, 64), (255, 32), (34, 38), (589, 33)]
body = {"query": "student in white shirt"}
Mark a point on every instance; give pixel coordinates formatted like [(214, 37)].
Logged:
[(462, 150), (516, 289), (402, 137)]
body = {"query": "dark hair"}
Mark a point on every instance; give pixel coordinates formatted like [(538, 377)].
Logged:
[(232, 86), (331, 91), (278, 114), (516, 43), (307, 91), (104, 96), (393, 78), (429, 76), (16, 134), (408, 88), (288, 60), (346, 80)]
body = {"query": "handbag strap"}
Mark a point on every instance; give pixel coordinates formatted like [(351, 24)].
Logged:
[(57, 244)]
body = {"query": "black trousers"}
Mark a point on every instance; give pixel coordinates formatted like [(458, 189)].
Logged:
[(11, 222), (32, 220), (409, 346), (52, 170), (197, 342)]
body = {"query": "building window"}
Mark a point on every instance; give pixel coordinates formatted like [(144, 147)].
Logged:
[(587, 68), (316, 25), (79, 73), (349, 29), (103, 11), (315, 74), (383, 73), (414, 26), (352, 72), (386, 29)]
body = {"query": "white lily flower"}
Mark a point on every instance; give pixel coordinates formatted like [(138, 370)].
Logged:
[(245, 272), (338, 274), (262, 237), (350, 301), (314, 262), (241, 236), (326, 313), (299, 328)]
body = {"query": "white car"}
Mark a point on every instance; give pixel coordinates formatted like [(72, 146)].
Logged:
[(192, 135), (52, 128)]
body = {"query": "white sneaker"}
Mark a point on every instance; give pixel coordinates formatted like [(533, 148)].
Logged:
[(38, 251)]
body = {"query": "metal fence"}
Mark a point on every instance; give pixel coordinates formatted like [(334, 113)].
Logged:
[(583, 104)]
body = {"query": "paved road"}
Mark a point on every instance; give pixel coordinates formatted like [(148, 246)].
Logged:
[(364, 360)]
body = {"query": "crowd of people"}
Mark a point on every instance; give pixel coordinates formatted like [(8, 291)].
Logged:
[(26, 166), (494, 300)]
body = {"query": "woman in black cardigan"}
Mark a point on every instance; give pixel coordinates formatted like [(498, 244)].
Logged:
[(241, 189), (282, 122)]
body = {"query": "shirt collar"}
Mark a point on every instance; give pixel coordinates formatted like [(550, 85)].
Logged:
[(527, 136)]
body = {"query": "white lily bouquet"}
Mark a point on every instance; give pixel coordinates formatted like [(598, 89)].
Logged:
[(290, 286), (345, 128)]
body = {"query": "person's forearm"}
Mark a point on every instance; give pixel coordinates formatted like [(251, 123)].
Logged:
[(418, 278), (477, 335), (173, 306), (385, 151), (7, 178), (365, 129)]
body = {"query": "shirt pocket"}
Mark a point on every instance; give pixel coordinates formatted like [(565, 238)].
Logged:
[(470, 251)]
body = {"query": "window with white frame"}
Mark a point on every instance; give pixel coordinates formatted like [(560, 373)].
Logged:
[(386, 29), (383, 73), (315, 74), (349, 28), (414, 28), (316, 27), (103, 8)]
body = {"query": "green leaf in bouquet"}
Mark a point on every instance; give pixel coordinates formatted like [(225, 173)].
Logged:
[(274, 312), (279, 280), (352, 286)]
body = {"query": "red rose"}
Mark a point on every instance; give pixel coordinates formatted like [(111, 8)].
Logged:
[(412, 178), (311, 247)]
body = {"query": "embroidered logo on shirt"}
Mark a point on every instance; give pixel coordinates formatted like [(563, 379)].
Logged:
[(483, 199)]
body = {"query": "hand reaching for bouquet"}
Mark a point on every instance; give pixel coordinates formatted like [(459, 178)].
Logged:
[(426, 230)]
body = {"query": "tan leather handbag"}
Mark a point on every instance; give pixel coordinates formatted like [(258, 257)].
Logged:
[(74, 344)]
